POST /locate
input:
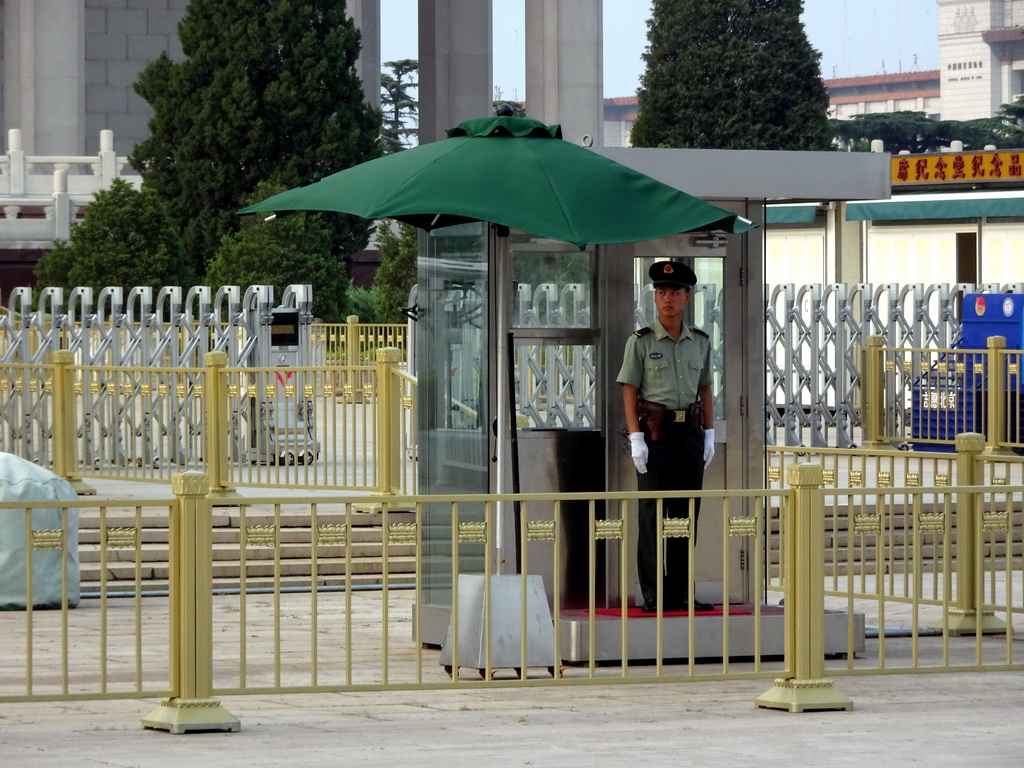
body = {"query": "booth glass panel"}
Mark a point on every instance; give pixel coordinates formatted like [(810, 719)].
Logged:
[(451, 342)]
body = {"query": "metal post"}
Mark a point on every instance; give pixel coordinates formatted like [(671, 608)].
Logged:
[(217, 429), (353, 388), (65, 422), (389, 414), (873, 393), (191, 708), (805, 688), (965, 618), (995, 397)]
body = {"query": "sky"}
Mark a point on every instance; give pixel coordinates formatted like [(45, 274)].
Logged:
[(855, 38)]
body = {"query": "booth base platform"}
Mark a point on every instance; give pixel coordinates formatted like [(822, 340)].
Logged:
[(708, 631), (642, 634)]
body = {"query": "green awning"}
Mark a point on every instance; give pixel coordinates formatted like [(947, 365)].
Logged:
[(937, 207), (790, 214)]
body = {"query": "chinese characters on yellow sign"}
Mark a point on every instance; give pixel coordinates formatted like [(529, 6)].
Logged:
[(959, 167)]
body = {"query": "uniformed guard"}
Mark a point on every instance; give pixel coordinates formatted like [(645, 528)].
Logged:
[(666, 390)]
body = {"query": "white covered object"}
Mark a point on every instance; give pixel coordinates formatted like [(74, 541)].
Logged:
[(21, 480)]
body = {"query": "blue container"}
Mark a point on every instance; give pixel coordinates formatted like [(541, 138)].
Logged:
[(946, 403), (992, 314)]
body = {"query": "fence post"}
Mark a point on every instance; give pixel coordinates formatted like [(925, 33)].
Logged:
[(965, 618), (190, 706), (806, 687), (65, 422), (217, 429), (353, 390), (388, 418), (873, 393), (995, 397)]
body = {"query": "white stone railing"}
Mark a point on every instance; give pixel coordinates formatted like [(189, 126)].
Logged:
[(41, 195)]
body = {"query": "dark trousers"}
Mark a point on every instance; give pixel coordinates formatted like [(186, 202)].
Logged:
[(674, 463)]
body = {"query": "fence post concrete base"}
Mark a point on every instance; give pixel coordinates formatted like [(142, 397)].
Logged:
[(64, 433), (218, 426), (176, 715), (969, 622), (388, 443), (965, 618), (191, 707), (803, 696), (806, 688)]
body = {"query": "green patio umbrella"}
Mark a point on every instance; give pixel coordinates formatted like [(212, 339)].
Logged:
[(518, 173), (515, 172)]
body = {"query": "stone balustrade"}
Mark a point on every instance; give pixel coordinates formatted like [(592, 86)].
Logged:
[(41, 195)]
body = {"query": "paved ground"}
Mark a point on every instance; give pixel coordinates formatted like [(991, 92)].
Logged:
[(927, 719), (934, 720)]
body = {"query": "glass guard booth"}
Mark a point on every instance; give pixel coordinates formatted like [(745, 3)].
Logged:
[(564, 315)]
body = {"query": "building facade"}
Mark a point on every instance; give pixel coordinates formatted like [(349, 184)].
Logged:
[(899, 92), (981, 56)]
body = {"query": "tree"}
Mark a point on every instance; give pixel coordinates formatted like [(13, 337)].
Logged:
[(397, 272), (915, 132), (1011, 122), (290, 249), (126, 238), (400, 119), (268, 91), (732, 74), (518, 108), (362, 302)]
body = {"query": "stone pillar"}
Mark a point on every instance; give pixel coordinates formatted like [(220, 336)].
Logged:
[(564, 67), (44, 74), (844, 244), (456, 72), (366, 15)]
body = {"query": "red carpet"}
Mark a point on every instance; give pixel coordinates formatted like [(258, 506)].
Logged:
[(636, 613)]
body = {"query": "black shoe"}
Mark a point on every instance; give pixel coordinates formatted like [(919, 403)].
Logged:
[(703, 606), (652, 607)]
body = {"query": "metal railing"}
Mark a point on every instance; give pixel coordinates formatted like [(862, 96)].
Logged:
[(355, 343), (815, 334), (273, 427), (816, 391), (802, 625), (923, 398)]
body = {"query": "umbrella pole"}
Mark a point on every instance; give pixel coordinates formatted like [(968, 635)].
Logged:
[(513, 441), (502, 279)]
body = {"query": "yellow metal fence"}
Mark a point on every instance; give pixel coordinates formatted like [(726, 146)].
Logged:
[(804, 622), (923, 398), (337, 426), (355, 343)]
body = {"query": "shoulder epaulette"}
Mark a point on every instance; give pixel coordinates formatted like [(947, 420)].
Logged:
[(702, 333), (642, 332)]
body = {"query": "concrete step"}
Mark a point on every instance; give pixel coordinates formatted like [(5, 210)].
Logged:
[(297, 567), (294, 535), (233, 583), (228, 551)]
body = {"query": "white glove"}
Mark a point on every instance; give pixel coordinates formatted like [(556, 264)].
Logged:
[(709, 447), (638, 450)]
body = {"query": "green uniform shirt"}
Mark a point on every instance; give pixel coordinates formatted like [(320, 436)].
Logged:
[(664, 370)]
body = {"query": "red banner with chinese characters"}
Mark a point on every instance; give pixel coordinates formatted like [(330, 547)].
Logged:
[(959, 167)]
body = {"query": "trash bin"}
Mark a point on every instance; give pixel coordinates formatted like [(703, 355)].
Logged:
[(21, 480)]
